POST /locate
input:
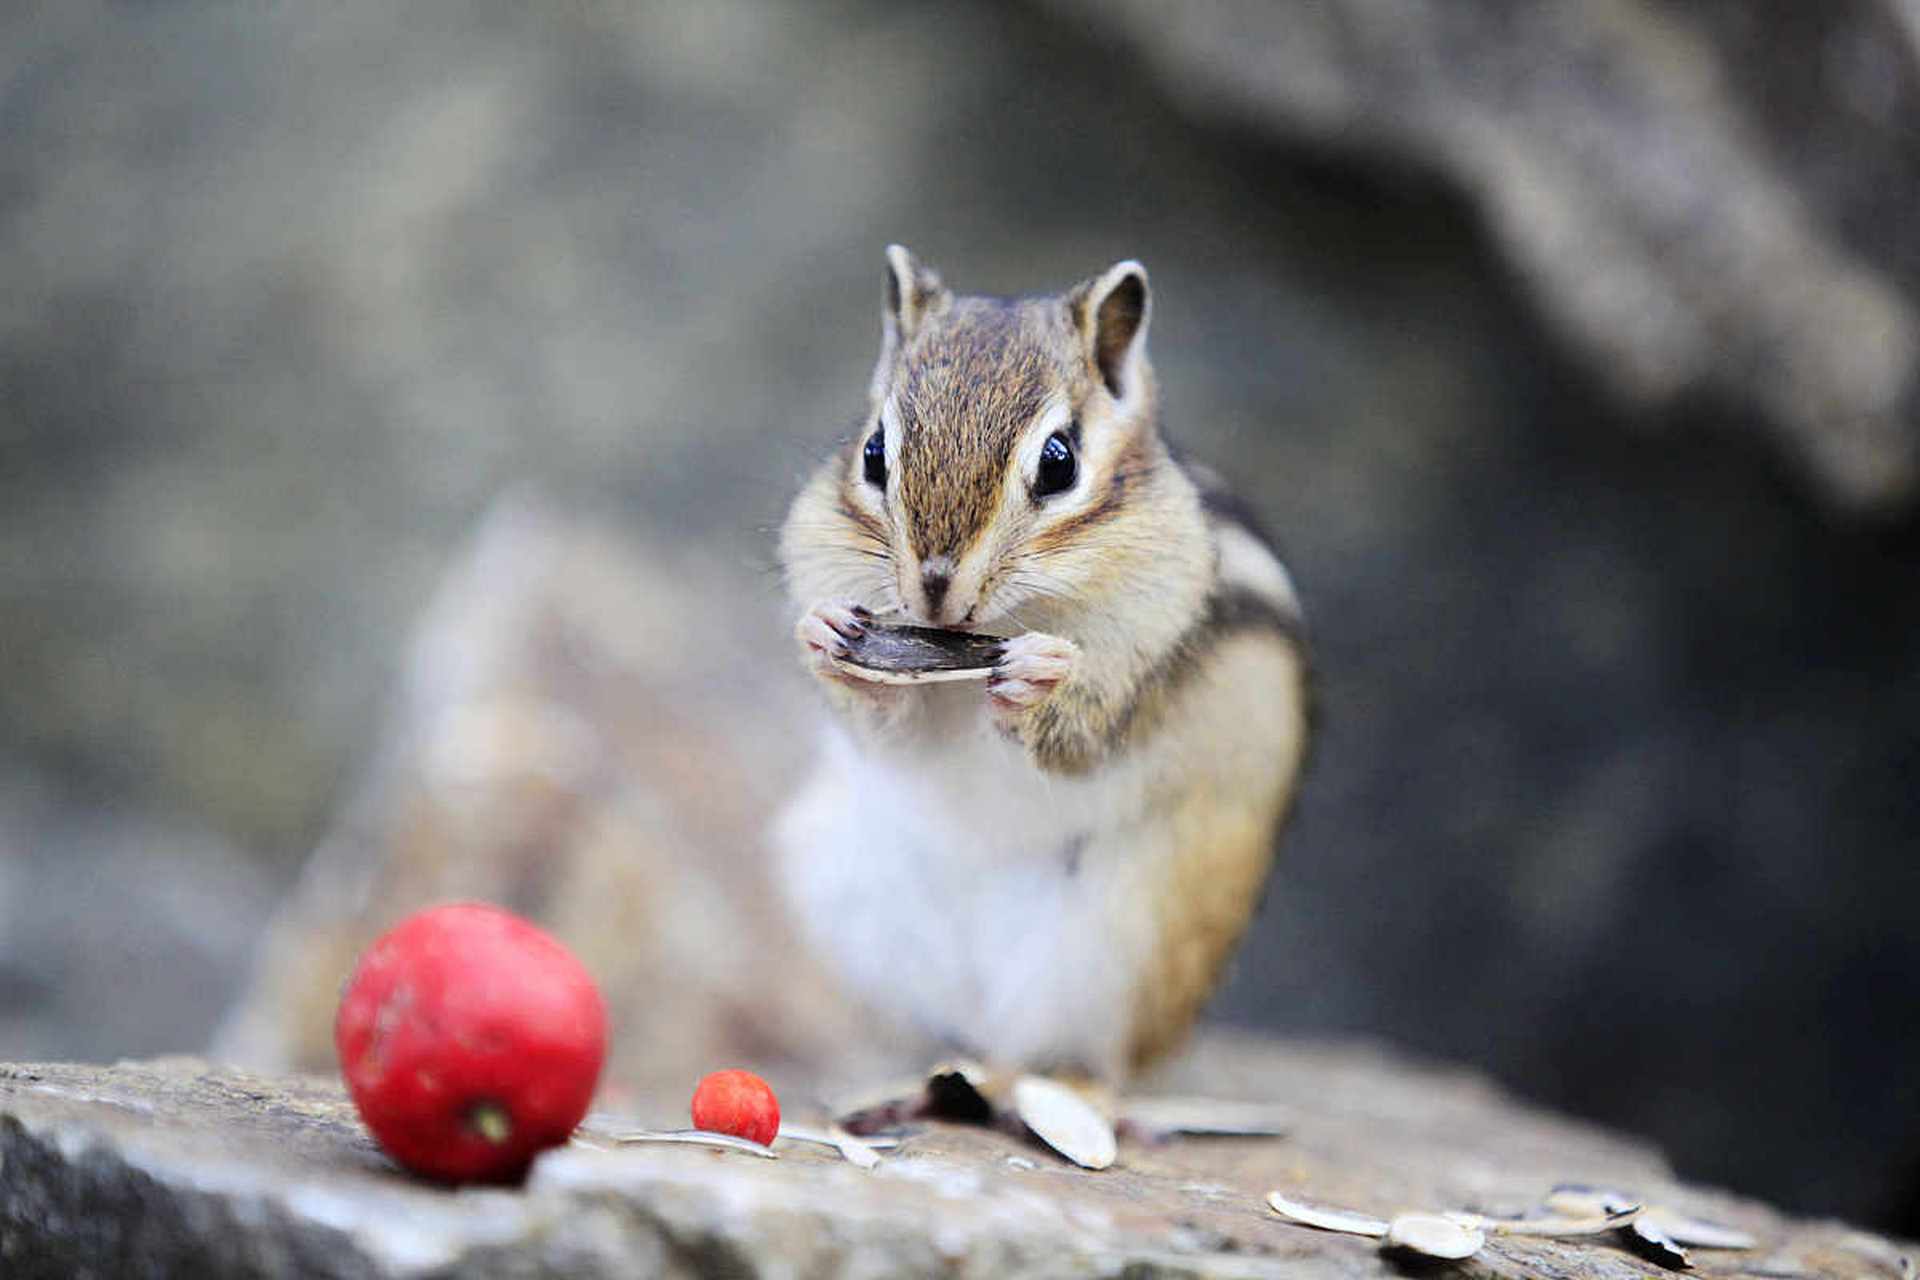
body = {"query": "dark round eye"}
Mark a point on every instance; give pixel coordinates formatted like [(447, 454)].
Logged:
[(1057, 468), (875, 457)]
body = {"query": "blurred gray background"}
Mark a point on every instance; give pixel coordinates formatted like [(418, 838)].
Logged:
[(1569, 348)]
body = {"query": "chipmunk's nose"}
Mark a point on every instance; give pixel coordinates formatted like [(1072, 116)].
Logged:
[(935, 584)]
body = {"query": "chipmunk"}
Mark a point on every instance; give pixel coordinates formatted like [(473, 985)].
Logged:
[(1048, 875)]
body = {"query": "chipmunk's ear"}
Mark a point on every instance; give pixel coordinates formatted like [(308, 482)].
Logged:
[(913, 293), (1110, 312)]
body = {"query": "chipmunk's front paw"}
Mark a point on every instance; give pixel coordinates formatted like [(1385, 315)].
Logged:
[(824, 632), (1031, 667)]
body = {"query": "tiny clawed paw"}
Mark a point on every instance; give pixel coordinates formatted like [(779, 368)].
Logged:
[(829, 626), (1031, 666), (826, 633)]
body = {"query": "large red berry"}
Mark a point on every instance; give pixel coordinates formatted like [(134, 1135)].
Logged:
[(470, 1041), (739, 1103)]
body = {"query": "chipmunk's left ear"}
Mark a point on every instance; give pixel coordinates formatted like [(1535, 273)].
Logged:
[(1111, 311)]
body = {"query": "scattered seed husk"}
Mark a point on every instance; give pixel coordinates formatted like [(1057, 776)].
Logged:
[(1562, 1226), (1674, 1226), (862, 1152), (1434, 1235), (915, 655), (1065, 1121), (856, 1151), (698, 1138), (827, 1137), (1326, 1217), (1681, 1229), (1650, 1242), (1578, 1200), (1205, 1118)]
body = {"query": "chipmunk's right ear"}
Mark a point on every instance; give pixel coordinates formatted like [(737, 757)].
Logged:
[(913, 293)]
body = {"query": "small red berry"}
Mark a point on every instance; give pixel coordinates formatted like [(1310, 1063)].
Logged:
[(470, 1041), (739, 1103)]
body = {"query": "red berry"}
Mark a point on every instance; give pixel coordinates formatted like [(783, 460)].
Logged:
[(739, 1103), (470, 1041)]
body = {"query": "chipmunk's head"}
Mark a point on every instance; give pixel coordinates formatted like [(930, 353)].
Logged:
[(1006, 451)]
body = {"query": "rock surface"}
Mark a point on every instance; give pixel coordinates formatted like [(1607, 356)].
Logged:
[(169, 1166), (1683, 187), (289, 292)]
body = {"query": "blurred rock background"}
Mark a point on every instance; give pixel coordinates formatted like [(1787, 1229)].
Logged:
[(1570, 348)]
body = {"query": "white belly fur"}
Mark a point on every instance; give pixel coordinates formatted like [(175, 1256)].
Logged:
[(937, 872)]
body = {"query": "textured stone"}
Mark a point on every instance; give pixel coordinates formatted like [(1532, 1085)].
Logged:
[(1603, 688), (1682, 230), (173, 1167)]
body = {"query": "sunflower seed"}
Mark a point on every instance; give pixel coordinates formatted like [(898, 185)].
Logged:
[(1681, 1229), (1433, 1235), (698, 1138), (864, 1152), (1065, 1121), (1676, 1227), (1656, 1245), (1560, 1228), (1564, 1224), (1326, 1217), (857, 1152), (913, 655), (1578, 1200)]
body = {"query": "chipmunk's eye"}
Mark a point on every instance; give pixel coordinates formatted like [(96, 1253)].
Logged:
[(875, 457), (1057, 467)]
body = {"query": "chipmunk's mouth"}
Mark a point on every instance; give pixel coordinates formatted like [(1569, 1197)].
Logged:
[(999, 625), (988, 619), (978, 621)]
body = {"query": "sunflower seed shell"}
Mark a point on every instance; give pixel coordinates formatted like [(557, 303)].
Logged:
[(1434, 1235), (1681, 1229), (913, 655), (1065, 1121), (697, 1138), (1656, 1246), (1326, 1217)]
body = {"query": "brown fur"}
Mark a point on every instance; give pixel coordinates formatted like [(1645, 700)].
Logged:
[(972, 381), (1223, 826), (865, 524)]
